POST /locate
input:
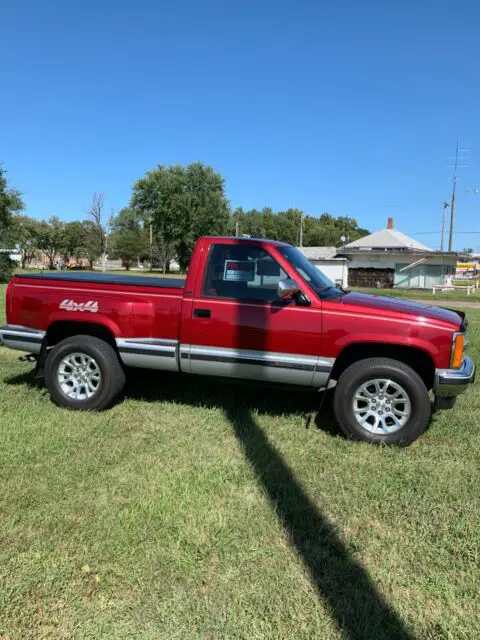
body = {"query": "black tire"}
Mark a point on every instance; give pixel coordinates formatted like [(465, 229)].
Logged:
[(359, 373), (111, 378)]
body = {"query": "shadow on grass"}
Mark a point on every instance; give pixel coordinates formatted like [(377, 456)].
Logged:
[(341, 583), (27, 378)]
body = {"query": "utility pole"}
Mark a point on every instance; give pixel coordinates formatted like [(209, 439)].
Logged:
[(301, 230), (151, 246), (452, 210), (445, 207), (104, 254), (237, 228), (452, 202)]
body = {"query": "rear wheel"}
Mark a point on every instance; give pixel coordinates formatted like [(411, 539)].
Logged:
[(381, 400), (83, 372)]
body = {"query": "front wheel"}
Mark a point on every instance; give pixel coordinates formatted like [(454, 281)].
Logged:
[(83, 372), (383, 401)]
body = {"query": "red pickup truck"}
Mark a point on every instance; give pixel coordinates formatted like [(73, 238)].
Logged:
[(249, 309)]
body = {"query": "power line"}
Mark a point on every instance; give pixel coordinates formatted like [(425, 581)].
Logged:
[(430, 233), (423, 233)]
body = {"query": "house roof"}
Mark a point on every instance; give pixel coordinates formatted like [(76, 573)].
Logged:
[(320, 253), (386, 239)]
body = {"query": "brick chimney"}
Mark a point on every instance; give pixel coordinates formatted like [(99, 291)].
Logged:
[(389, 223)]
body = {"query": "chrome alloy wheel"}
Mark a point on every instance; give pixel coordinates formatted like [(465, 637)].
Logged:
[(381, 406), (79, 376)]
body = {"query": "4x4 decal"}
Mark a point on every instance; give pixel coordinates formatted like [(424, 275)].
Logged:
[(70, 305)]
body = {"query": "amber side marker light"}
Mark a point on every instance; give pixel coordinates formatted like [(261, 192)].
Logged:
[(457, 350)]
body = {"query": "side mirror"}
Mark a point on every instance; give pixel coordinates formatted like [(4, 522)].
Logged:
[(287, 289)]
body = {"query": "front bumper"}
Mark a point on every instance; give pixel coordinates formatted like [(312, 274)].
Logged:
[(450, 383)]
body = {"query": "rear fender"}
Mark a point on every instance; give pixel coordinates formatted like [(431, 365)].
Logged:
[(97, 319)]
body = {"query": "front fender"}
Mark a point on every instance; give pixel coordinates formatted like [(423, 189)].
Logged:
[(427, 346)]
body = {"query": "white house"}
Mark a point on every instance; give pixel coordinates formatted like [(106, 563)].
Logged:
[(325, 259), (13, 254), (389, 258)]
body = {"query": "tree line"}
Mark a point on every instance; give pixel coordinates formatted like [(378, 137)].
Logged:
[(170, 207)]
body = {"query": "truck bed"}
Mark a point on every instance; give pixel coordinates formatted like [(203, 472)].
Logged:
[(105, 278)]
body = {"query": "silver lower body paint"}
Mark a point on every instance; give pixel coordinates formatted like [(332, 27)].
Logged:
[(286, 368), (21, 338), (148, 353)]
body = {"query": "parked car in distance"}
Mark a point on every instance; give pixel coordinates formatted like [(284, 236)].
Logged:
[(248, 309)]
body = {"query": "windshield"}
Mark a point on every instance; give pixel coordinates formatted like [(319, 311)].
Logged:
[(314, 277)]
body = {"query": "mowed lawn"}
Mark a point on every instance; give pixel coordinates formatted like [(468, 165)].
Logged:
[(440, 297), (193, 510)]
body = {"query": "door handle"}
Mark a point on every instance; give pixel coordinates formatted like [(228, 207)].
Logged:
[(201, 313)]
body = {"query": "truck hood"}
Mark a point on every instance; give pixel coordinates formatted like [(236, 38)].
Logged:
[(385, 305)]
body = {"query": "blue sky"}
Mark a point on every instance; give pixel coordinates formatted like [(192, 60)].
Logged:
[(345, 107)]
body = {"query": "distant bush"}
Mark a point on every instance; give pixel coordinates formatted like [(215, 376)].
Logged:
[(6, 268)]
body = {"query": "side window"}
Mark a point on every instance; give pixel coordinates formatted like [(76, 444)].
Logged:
[(242, 273)]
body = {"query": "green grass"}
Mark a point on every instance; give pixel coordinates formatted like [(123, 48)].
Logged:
[(464, 282), (193, 510), (424, 294)]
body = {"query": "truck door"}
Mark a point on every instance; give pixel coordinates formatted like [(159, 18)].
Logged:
[(240, 327)]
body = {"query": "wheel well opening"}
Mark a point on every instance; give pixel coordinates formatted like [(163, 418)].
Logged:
[(59, 331), (418, 360)]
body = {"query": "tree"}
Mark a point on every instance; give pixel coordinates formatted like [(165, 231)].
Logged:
[(128, 238), (248, 223), (127, 219), (348, 227), (23, 234), (10, 202), (52, 239), (128, 245), (96, 212), (182, 203), (325, 230), (288, 226), (82, 240), (206, 208), (91, 242), (255, 223), (467, 250), (163, 253), (74, 240), (269, 223)]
